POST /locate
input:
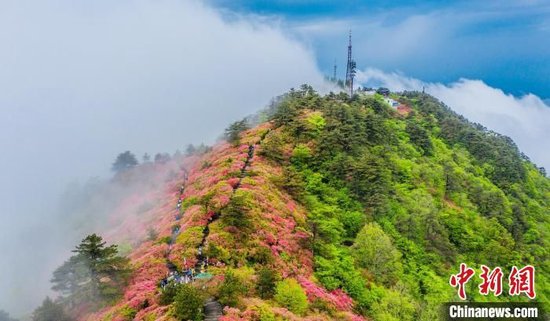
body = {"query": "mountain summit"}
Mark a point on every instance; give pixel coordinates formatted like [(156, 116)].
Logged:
[(330, 208)]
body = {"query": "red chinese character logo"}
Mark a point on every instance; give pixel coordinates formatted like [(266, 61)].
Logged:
[(522, 281), (492, 281), (461, 279)]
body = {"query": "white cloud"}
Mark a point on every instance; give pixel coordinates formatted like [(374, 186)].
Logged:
[(525, 119), (381, 37), (81, 81)]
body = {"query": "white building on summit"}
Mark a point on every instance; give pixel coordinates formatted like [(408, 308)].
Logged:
[(392, 102)]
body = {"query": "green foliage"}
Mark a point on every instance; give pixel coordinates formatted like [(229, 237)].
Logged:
[(162, 158), (394, 306), (4, 316), (260, 255), (352, 222), (339, 272), (197, 150), (285, 114), (265, 313), (128, 313), (152, 234), (94, 274), (290, 295), (168, 294), (488, 147), (164, 239), (370, 178), (236, 212), (301, 154), (265, 285), (315, 123), (231, 289), (233, 132), (50, 311), (124, 249), (434, 188), (292, 182), (272, 148), (419, 137), (290, 105), (124, 161), (374, 251), (188, 303)]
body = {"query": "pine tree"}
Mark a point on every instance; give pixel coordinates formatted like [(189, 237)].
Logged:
[(67, 278), (233, 132), (50, 311), (4, 316), (95, 273), (146, 158), (124, 161)]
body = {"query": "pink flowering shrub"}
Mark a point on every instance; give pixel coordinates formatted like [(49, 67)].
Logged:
[(277, 234), (231, 314), (336, 298), (233, 181)]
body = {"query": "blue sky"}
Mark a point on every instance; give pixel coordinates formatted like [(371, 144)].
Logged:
[(507, 45)]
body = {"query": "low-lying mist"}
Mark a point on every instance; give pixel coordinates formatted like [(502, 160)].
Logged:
[(82, 81)]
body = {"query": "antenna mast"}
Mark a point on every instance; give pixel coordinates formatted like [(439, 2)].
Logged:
[(334, 71), (350, 68)]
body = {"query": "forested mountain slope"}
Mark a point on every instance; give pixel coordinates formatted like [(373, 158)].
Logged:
[(332, 208)]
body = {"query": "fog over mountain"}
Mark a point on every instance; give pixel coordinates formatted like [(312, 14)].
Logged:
[(81, 82), (525, 119), (84, 81)]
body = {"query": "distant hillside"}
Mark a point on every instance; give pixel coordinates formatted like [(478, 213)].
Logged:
[(335, 209)]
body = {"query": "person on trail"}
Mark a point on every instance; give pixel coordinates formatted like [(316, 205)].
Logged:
[(179, 201), (181, 189), (200, 250)]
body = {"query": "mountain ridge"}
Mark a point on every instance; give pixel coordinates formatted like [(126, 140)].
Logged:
[(366, 210)]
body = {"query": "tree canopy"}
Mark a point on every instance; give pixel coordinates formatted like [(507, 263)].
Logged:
[(395, 201), (94, 274), (124, 161), (5, 316), (50, 311), (232, 133)]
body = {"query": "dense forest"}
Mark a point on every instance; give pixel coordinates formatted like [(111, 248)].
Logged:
[(396, 202), (318, 207)]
